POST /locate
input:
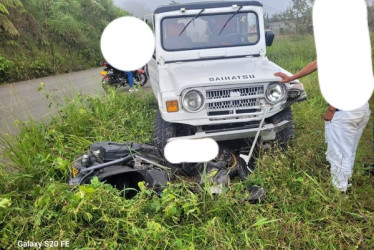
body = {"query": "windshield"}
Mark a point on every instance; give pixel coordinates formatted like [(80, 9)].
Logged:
[(210, 31)]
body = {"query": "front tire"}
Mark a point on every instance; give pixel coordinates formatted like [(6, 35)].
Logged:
[(285, 137), (162, 132)]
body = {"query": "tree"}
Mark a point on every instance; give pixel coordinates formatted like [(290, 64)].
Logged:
[(5, 23), (302, 13), (47, 6)]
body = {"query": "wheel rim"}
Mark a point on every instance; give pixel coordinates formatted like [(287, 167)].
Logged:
[(139, 79)]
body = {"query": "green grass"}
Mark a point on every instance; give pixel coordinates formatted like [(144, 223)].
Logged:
[(302, 209)]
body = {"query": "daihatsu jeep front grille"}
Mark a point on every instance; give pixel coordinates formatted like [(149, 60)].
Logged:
[(234, 101), (227, 93)]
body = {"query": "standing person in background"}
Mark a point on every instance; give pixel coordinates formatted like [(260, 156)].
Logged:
[(130, 79), (343, 130)]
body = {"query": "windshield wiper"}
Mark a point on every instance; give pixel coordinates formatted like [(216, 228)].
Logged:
[(228, 20), (185, 27)]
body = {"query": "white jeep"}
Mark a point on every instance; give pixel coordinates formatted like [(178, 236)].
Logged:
[(211, 76)]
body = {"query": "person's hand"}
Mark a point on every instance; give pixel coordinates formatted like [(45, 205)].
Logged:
[(329, 114), (285, 78)]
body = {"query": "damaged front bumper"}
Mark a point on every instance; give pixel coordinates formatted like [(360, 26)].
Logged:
[(267, 132)]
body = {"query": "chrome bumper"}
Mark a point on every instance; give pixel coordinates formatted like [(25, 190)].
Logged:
[(268, 133)]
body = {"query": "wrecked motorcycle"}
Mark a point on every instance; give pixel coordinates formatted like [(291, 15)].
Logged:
[(124, 165)]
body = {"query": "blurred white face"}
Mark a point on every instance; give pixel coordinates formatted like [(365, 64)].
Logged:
[(198, 31)]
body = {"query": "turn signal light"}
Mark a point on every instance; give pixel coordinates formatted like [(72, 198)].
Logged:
[(75, 172), (172, 106)]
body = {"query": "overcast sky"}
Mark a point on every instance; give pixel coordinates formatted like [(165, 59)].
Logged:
[(141, 7)]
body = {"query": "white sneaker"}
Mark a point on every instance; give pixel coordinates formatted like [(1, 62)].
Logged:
[(133, 90)]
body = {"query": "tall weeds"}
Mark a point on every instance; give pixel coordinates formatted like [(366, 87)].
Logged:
[(302, 209)]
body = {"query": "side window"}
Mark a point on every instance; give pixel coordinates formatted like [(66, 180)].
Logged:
[(252, 28), (149, 21)]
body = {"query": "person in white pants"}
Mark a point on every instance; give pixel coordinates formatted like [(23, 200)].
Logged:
[(343, 134), (343, 130)]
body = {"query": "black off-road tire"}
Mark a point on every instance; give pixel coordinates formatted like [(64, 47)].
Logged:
[(285, 137), (162, 132)]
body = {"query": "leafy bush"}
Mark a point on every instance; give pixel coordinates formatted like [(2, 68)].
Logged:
[(6, 68), (68, 28), (40, 68)]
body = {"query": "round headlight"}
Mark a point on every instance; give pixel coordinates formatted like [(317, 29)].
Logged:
[(275, 93), (193, 100)]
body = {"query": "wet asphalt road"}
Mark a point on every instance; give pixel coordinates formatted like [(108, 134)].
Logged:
[(21, 101)]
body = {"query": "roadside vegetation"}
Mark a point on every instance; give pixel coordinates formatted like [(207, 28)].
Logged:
[(44, 37), (302, 210)]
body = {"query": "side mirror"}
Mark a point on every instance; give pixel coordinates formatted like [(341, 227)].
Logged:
[(269, 38)]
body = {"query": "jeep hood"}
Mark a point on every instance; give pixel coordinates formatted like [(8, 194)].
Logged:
[(175, 77)]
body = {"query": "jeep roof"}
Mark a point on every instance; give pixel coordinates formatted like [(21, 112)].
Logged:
[(204, 5)]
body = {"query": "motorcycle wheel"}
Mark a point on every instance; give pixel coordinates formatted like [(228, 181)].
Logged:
[(108, 83), (140, 79)]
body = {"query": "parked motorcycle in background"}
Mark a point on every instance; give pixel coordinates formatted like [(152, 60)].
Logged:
[(140, 76), (114, 78)]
